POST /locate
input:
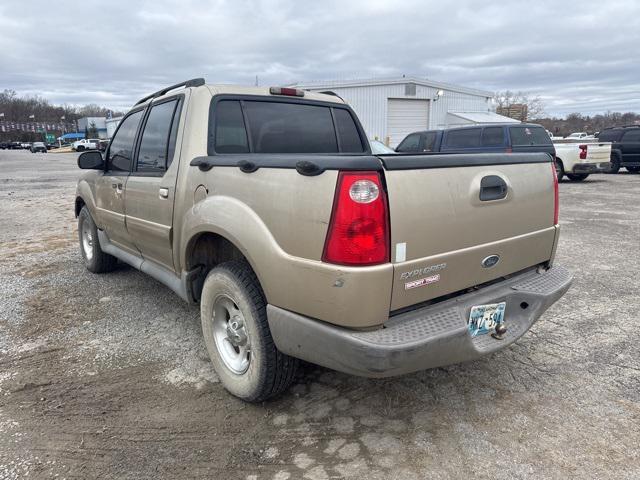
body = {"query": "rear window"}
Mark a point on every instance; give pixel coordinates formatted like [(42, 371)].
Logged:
[(279, 127), (529, 136), (631, 135), (464, 138), (493, 137), (609, 136)]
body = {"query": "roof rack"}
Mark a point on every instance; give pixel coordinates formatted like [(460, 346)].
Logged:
[(194, 82), (329, 92)]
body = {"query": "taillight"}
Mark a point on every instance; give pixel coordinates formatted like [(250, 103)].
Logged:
[(556, 195), (359, 229), (583, 152)]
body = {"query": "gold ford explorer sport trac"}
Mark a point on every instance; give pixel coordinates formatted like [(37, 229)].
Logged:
[(266, 207)]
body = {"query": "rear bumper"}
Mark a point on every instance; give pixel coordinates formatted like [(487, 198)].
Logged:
[(428, 337), (601, 167)]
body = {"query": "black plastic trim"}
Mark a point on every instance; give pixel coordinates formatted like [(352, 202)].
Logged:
[(425, 161), (305, 164)]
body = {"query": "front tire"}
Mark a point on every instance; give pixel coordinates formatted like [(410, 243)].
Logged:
[(94, 258), (80, 148), (577, 177), (236, 332)]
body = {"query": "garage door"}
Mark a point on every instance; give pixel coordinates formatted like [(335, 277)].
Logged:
[(405, 116)]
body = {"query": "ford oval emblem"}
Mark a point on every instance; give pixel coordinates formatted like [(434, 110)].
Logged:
[(490, 261)]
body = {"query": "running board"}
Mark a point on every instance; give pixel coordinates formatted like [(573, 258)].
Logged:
[(161, 274)]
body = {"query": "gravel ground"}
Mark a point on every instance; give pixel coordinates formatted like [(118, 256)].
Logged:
[(107, 375)]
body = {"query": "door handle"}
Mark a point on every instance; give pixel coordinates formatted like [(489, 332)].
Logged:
[(163, 192), (492, 187)]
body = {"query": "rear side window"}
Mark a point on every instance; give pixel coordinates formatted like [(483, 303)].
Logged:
[(121, 148), (631, 135), (463, 138), (243, 126), (230, 134), (529, 136), (410, 144), (493, 137), (347, 132), (290, 128), (429, 140), (154, 146)]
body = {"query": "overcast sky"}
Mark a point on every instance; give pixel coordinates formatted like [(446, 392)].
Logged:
[(579, 56)]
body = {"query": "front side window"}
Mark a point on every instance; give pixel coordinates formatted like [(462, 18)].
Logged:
[(463, 138), (410, 144), (154, 146), (121, 149)]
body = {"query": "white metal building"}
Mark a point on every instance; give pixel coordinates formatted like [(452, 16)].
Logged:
[(391, 108)]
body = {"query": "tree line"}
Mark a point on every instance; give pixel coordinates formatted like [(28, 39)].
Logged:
[(576, 122), (561, 127), (22, 116)]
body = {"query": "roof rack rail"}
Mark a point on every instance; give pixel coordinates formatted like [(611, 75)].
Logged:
[(194, 82), (329, 92)]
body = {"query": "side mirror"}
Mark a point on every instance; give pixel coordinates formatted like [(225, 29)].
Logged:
[(91, 160)]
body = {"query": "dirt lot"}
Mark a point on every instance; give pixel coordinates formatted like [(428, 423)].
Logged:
[(107, 375)]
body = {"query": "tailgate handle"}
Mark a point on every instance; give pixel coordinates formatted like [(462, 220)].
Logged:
[(492, 187)]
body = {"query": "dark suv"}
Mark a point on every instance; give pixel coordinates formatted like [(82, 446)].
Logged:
[(625, 147), (517, 137)]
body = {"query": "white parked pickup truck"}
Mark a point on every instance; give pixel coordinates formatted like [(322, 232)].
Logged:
[(578, 160), (86, 144)]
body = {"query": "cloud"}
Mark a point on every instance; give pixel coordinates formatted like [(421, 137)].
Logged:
[(577, 55)]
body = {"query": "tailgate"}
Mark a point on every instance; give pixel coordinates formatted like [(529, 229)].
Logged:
[(442, 231), (598, 152)]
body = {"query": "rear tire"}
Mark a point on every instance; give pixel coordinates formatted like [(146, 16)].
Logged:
[(80, 148), (235, 328), (633, 169), (559, 169), (577, 177), (94, 258), (615, 163)]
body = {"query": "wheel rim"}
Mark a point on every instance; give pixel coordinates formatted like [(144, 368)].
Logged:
[(87, 241), (230, 335)]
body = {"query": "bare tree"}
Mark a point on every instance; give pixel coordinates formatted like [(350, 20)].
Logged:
[(507, 98)]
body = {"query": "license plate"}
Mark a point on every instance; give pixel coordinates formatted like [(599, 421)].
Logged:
[(484, 319)]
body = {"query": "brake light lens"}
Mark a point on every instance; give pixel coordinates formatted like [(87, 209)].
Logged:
[(290, 92), (556, 195), (358, 232), (583, 152)]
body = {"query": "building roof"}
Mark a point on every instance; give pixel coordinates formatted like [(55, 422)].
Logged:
[(483, 117), (71, 136), (321, 84)]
